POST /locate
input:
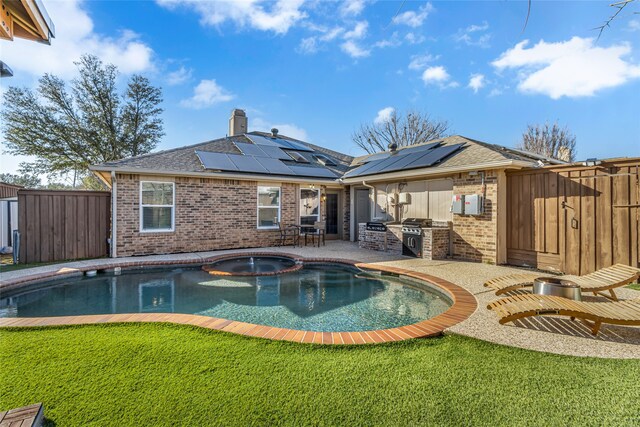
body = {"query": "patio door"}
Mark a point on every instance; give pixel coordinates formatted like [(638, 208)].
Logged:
[(333, 222)]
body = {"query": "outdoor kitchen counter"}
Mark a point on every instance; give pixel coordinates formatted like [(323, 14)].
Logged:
[(435, 243)]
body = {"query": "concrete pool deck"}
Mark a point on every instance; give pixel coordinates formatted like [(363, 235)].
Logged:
[(550, 334)]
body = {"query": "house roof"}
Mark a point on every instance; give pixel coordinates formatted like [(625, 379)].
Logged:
[(471, 154), (186, 160)]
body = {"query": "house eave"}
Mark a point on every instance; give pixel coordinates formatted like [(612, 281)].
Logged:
[(428, 172), (218, 175)]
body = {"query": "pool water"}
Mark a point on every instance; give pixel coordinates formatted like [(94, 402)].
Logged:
[(321, 298)]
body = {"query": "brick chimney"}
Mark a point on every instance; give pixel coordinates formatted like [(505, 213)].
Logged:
[(238, 122)]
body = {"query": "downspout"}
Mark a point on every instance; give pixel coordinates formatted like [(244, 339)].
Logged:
[(114, 214), (375, 196)]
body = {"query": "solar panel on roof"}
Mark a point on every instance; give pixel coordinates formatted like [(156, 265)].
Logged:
[(434, 156), (295, 145), (249, 149), (420, 148), (378, 156), (247, 163), (216, 161), (361, 169), (402, 160), (386, 164), (299, 158), (261, 140), (274, 166), (275, 152), (324, 160), (312, 172)]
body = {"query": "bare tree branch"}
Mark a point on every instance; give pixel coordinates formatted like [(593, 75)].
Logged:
[(549, 141), (403, 130)]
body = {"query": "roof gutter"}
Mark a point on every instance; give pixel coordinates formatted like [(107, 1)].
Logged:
[(240, 177), (404, 174)]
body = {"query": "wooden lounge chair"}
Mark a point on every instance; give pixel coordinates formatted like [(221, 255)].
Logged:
[(598, 282), (593, 314)]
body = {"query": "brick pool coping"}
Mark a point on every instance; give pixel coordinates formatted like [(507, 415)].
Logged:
[(464, 304)]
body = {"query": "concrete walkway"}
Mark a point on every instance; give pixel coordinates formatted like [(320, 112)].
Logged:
[(549, 334)]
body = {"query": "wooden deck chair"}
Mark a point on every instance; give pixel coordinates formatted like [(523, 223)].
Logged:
[(604, 280), (593, 314)]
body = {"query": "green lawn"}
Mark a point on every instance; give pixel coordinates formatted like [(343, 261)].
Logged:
[(151, 374)]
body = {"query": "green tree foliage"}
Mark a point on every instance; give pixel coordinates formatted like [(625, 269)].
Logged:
[(67, 129), (23, 180)]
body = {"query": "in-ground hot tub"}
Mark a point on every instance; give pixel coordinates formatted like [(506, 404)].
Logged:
[(253, 266)]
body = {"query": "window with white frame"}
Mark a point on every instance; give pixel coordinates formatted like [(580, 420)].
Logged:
[(157, 206), (268, 207)]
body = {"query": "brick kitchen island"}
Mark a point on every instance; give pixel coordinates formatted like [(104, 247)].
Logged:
[(435, 240)]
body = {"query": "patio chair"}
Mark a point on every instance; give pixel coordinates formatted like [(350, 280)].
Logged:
[(286, 232), (592, 314), (313, 231), (598, 282)]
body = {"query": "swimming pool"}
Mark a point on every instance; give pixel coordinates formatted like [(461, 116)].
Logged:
[(318, 297)]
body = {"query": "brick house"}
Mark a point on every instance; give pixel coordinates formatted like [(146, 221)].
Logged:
[(233, 192)]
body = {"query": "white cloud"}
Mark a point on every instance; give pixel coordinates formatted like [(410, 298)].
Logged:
[(412, 18), (384, 115), (573, 68), (278, 16), (287, 129), (74, 38), (474, 35), (412, 38), (354, 50), (313, 44), (308, 45), (476, 82), (351, 47), (393, 41), (352, 7), (179, 76), (633, 25), (358, 32), (419, 62), (206, 94), (438, 75)]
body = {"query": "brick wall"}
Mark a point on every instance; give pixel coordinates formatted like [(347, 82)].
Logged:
[(210, 214), (475, 237)]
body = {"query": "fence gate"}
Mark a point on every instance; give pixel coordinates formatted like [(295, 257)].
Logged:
[(63, 225), (574, 219)]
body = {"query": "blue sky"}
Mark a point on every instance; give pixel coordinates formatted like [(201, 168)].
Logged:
[(318, 69)]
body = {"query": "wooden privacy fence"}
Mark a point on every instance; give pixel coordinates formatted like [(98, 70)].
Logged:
[(574, 219), (63, 225)]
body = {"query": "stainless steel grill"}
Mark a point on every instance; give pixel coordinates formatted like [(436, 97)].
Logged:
[(415, 225)]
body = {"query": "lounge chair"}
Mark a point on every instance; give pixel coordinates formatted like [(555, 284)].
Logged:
[(605, 279), (593, 314)]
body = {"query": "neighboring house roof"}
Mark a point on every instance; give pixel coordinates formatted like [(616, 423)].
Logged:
[(185, 160)]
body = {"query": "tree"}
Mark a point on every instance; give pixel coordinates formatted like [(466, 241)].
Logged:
[(549, 141), (403, 130), (67, 130), (24, 180)]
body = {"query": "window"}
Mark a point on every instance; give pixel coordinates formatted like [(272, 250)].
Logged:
[(268, 207), (157, 206), (309, 206)]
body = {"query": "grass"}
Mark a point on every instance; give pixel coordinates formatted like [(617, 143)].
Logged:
[(155, 374), (634, 286)]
